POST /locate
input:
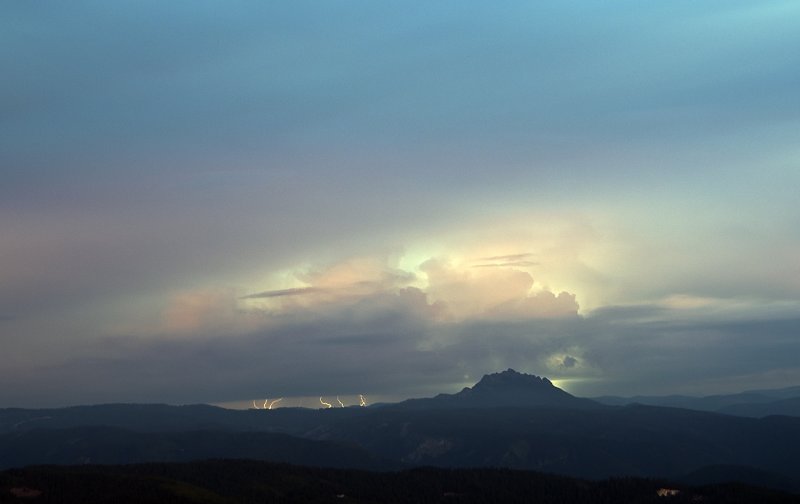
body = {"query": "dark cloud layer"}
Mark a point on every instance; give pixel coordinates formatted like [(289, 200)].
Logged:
[(394, 342)]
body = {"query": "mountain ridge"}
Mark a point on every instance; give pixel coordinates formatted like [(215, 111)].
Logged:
[(507, 388)]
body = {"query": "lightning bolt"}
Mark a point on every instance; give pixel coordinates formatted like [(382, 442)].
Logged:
[(255, 405), (327, 405), (340, 402), (362, 400), (273, 402), (266, 404)]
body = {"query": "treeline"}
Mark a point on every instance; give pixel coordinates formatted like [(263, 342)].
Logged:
[(242, 481)]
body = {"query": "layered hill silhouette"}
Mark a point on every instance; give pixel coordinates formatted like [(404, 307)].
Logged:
[(752, 403), (507, 419), (111, 445)]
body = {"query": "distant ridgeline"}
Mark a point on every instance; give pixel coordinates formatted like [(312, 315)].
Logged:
[(507, 419), (752, 403)]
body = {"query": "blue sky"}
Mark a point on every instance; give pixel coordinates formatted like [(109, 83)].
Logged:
[(202, 202)]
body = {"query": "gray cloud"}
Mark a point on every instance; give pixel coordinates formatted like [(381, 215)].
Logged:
[(510, 258), (392, 343), (521, 264), (298, 291), (569, 361)]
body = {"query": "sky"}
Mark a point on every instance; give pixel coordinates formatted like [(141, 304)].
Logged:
[(226, 201)]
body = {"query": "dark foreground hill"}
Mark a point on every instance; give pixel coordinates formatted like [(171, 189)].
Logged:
[(111, 445), (632, 440), (235, 481)]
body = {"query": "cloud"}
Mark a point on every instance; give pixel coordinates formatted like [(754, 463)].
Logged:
[(522, 264), (296, 291), (205, 310), (499, 292), (569, 361), (366, 272), (398, 342), (457, 292), (511, 260), (357, 326)]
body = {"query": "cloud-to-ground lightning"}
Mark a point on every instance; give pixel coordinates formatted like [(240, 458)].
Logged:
[(326, 404), (339, 401), (267, 403), (363, 401)]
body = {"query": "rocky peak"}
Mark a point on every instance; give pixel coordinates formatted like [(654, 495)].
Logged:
[(504, 389), (510, 379)]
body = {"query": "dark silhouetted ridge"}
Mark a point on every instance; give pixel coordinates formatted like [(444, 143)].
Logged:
[(508, 388), (513, 380)]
